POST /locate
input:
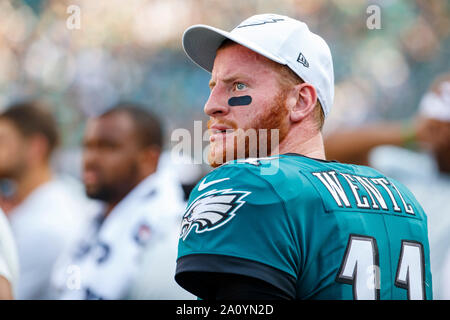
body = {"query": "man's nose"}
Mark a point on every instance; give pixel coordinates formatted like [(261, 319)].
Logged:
[(90, 157), (216, 104)]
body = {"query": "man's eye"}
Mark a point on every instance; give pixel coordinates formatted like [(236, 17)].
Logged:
[(239, 86)]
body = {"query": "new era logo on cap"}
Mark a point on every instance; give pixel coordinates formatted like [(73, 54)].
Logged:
[(301, 58)]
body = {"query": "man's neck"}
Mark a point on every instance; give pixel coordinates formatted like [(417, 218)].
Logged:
[(31, 180), (310, 145), (110, 205)]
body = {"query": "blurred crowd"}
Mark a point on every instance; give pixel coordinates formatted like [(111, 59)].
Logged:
[(131, 51)]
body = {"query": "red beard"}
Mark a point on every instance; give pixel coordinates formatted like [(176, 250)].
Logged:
[(260, 138)]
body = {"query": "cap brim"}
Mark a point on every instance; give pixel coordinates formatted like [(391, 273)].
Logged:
[(200, 42)]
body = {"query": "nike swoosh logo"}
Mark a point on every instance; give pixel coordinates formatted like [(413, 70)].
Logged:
[(204, 185)]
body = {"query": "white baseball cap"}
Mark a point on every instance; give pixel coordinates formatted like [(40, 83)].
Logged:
[(279, 38)]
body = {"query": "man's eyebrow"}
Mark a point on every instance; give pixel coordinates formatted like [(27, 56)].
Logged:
[(235, 77), (232, 78)]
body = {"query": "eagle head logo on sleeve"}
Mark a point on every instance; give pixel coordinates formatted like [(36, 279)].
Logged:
[(211, 210)]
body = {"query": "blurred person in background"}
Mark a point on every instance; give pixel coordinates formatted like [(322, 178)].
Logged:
[(9, 264), (43, 213), (180, 170), (184, 169), (418, 155), (135, 225)]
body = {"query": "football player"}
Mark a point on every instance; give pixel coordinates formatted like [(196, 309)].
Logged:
[(42, 209), (130, 229), (292, 225)]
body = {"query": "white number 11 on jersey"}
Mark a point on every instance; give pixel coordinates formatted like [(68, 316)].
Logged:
[(361, 268)]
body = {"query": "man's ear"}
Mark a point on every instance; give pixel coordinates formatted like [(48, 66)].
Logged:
[(148, 158), (38, 148), (301, 101)]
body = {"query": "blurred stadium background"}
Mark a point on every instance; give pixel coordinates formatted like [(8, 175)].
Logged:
[(131, 50)]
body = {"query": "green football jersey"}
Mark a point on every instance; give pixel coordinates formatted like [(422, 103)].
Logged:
[(315, 229)]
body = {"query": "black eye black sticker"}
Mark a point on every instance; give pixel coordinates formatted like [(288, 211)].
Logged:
[(240, 101)]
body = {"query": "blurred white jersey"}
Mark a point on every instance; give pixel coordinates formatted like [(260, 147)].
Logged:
[(445, 292), (9, 263), (109, 259), (43, 225)]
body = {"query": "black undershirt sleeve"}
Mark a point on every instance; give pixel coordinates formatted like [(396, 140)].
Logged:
[(220, 277), (239, 287)]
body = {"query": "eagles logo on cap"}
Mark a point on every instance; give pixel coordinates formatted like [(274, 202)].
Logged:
[(258, 21)]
